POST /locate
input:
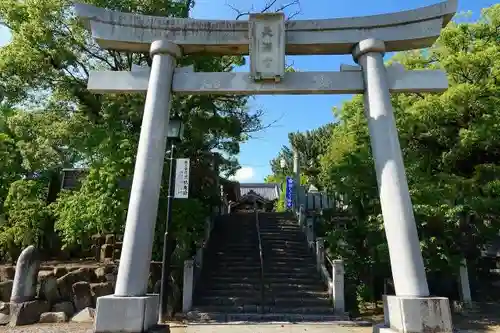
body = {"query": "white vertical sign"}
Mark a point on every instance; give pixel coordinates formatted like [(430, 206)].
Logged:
[(181, 178)]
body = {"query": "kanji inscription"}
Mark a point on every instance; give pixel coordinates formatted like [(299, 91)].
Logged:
[(267, 46)]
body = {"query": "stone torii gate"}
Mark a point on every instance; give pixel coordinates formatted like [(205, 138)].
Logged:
[(268, 38)]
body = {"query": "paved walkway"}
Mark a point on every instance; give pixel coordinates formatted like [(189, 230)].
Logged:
[(271, 328)]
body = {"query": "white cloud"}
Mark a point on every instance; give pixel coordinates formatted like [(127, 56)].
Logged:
[(243, 174)]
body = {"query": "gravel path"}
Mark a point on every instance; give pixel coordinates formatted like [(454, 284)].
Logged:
[(240, 328), (50, 328), (256, 328)]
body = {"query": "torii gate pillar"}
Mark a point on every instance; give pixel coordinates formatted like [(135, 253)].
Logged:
[(411, 310), (131, 309)]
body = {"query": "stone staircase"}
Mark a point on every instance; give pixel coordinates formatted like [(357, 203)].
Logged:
[(290, 274), (232, 287), (231, 282)]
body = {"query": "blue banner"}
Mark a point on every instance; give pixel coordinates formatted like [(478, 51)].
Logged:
[(289, 192)]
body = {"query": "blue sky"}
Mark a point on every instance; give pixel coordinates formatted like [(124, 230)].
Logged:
[(299, 113), (305, 112)]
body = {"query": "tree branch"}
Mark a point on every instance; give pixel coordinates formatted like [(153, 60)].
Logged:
[(268, 7)]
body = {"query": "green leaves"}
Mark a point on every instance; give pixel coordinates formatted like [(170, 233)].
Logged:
[(26, 216), (56, 123), (451, 148)]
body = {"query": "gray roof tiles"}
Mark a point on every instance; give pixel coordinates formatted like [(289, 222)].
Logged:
[(269, 191)]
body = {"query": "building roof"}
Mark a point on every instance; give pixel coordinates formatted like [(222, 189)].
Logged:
[(269, 191)]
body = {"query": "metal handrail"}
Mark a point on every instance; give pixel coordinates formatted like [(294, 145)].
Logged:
[(261, 255)]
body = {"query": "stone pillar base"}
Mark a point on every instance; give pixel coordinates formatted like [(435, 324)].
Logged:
[(415, 315), (126, 314)]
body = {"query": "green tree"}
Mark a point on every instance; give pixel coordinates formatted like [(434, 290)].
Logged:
[(49, 121), (26, 213), (450, 148), (47, 65)]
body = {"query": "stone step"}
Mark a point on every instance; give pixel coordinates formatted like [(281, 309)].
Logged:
[(296, 302), (296, 257), (235, 301), (283, 259), (284, 242), (291, 296), (255, 299), (288, 262), (223, 309), (230, 270), (286, 248), (273, 274), (233, 258), (278, 287), (289, 257), (200, 316), (234, 276), (238, 249), (235, 279), (313, 274), (224, 261), (279, 240), (271, 269), (282, 254), (301, 310), (242, 243), (307, 280), (234, 285), (214, 290), (253, 296), (268, 263), (252, 251), (280, 230), (275, 254), (236, 252)]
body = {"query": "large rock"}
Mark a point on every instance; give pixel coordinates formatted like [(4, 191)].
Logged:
[(5, 291), (110, 239), (65, 283), (49, 290), (60, 271), (82, 295), (53, 317), (157, 287), (100, 289), (7, 273), (111, 278), (97, 241), (27, 313), (4, 313), (66, 307), (87, 315), (102, 271), (43, 274), (25, 279), (106, 251)]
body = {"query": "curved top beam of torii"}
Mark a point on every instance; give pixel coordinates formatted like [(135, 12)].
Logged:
[(405, 30)]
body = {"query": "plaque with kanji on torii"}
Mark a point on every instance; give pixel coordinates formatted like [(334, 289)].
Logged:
[(267, 46)]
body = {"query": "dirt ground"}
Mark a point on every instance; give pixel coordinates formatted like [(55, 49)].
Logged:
[(479, 322), (485, 319)]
